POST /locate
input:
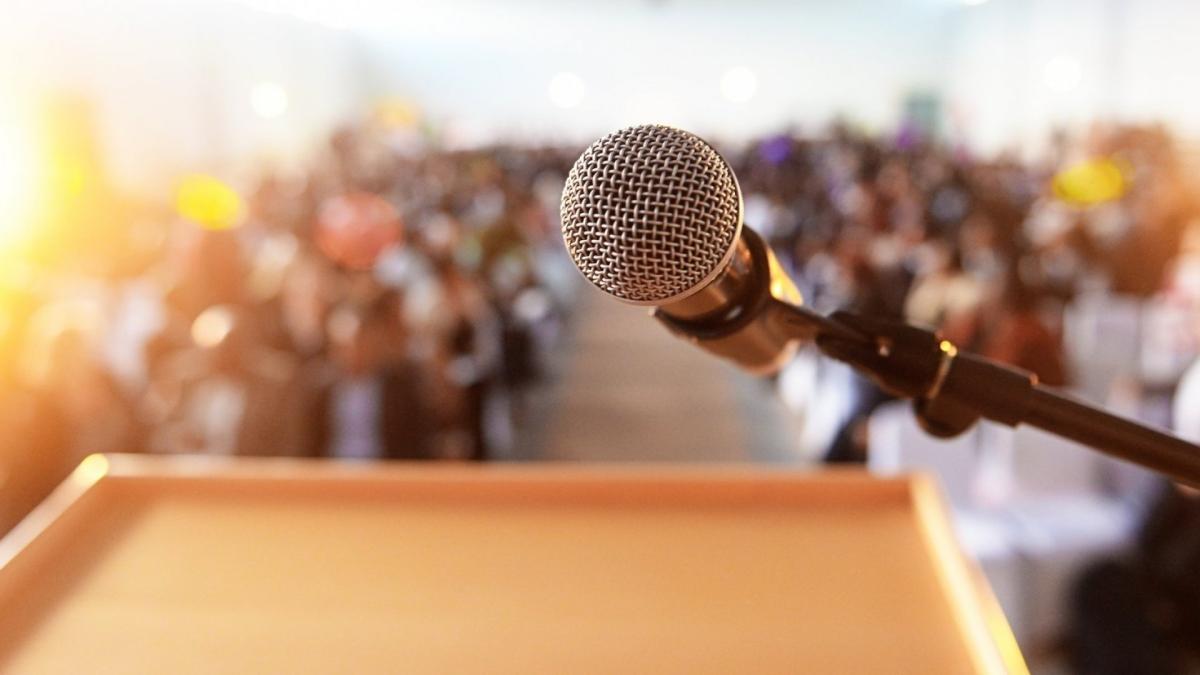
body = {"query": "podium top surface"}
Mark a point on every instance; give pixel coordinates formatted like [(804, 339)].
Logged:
[(179, 565)]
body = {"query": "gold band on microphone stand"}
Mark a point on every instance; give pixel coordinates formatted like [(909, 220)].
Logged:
[(949, 351)]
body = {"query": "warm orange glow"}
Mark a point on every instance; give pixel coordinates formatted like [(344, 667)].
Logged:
[(51, 182), (69, 177)]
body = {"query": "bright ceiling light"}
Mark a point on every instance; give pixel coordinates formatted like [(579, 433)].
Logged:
[(269, 100), (566, 90), (739, 84), (1062, 73), (973, 3)]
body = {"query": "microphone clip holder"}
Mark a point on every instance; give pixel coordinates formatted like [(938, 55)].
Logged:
[(951, 391)]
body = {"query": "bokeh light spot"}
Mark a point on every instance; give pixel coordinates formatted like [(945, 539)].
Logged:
[(212, 326), (566, 90), (739, 84), (208, 202), (1092, 182), (1062, 74), (269, 100)]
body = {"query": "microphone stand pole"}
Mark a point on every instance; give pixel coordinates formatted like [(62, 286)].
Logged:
[(952, 390)]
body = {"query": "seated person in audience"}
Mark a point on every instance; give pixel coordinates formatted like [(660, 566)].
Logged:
[(1021, 338), (945, 296), (1141, 613), (370, 406), (225, 392)]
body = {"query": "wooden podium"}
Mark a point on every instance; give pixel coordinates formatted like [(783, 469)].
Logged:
[(189, 565)]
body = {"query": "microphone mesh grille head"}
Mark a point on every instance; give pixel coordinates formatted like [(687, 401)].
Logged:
[(650, 213)]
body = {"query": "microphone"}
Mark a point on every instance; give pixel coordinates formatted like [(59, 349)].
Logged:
[(652, 215)]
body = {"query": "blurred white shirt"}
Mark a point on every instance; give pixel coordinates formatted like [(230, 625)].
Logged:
[(1187, 404)]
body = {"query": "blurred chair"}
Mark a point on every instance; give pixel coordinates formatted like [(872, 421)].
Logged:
[(1168, 346), (1101, 336), (898, 445), (1045, 465), (1186, 407)]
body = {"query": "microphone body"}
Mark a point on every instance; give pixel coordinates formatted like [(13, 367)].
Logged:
[(740, 314)]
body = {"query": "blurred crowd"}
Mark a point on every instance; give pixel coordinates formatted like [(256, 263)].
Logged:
[(389, 302), (996, 253), (398, 300)]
